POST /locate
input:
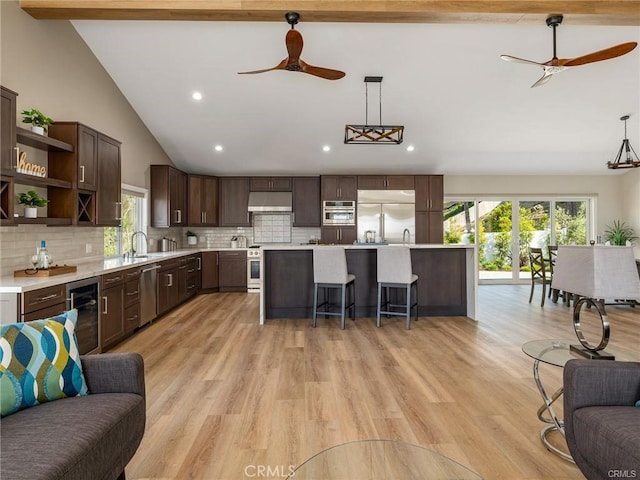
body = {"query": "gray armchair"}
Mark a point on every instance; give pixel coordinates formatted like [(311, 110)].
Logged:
[(601, 421)]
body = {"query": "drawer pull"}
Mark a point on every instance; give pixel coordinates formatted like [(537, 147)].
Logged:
[(191, 271), (48, 297), (132, 293), (106, 305), (132, 318)]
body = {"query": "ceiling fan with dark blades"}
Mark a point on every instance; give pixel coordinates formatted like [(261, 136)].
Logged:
[(556, 64), (293, 62)]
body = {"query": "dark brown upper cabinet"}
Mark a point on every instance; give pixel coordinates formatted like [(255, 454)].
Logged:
[(234, 201), (339, 187), (385, 182), (271, 184), (8, 152), (109, 182), (168, 197), (82, 163), (306, 202), (203, 201), (429, 192)]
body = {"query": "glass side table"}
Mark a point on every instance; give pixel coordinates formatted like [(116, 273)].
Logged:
[(381, 460), (557, 353)]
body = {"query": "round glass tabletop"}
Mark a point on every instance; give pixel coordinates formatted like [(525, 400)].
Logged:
[(381, 460), (556, 352)]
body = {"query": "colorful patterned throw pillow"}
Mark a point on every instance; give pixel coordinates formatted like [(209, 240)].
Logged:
[(39, 362)]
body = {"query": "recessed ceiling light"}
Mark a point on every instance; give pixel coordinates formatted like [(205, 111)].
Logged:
[(196, 96), (218, 148), (410, 148), (326, 148)]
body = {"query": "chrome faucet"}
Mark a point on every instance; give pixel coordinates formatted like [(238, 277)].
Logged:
[(406, 236), (133, 245)]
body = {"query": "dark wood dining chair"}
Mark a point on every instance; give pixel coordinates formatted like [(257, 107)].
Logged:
[(539, 273)]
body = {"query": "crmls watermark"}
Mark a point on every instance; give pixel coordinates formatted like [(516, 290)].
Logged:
[(622, 474), (269, 471)]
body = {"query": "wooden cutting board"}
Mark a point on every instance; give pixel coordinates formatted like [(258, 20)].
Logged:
[(49, 272)]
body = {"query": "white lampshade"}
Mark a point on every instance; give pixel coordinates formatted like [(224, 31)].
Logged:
[(597, 271)]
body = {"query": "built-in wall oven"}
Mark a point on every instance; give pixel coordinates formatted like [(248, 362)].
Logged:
[(339, 212), (83, 295), (254, 255)]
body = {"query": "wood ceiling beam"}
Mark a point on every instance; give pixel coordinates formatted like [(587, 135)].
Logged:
[(584, 12)]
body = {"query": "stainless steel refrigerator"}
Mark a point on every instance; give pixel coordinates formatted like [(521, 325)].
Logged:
[(388, 212)]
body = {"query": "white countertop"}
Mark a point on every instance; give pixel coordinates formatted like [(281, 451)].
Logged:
[(10, 284)]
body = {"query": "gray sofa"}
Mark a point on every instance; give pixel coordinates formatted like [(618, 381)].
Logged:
[(92, 437), (602, 425)]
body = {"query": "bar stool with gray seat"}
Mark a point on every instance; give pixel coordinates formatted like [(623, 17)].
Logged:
[(394, 271), (329, 273)]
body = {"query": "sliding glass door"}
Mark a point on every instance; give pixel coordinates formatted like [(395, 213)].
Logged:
[(504, 230)]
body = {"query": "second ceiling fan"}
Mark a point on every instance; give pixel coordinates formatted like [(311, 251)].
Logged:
[(556, 64), (293, 62)]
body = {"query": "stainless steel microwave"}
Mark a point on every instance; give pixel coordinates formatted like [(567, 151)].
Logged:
[(339, 212)]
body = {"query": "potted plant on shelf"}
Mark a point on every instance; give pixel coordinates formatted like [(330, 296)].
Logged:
[(31, 201), (37, 119), (619, 234), (192, 238)]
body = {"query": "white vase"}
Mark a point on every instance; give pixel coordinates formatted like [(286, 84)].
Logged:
[(191, 240), (38, 130), (30, 212)]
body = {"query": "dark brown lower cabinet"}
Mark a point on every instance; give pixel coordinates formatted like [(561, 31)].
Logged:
[(209, 271), (232, 271), (111, 321), (338, 235), (288, 281), (120, 306), (167, 286)]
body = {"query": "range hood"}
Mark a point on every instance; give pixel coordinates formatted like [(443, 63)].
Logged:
[(270, 201)]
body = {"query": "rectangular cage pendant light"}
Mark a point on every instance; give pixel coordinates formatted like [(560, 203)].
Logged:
[(373, 134), (630, 159)]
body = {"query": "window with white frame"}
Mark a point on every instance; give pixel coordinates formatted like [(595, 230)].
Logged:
[(117, 240)]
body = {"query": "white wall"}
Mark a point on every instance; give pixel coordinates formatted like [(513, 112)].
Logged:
[(630, 190), (53, 70)]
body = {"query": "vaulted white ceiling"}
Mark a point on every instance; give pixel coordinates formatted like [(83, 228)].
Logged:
[(464, 109)]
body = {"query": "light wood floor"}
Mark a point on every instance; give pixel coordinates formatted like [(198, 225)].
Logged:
[(226, 395)]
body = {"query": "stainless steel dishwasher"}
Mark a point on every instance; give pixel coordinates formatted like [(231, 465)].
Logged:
[(148, 309)]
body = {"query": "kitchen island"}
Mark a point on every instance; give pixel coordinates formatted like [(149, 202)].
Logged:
[(447, 284)]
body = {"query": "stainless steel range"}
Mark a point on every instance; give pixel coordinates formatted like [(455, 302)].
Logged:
[(254, 259)]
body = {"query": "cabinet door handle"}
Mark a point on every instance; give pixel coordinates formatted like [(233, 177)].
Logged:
[(48, 297), (178, 216), (199, 263), (106, 305), (205, 217), (293, 217), (17, 151), (169, 279), (118, 210), (201, 217), (71, 299), (81, 173)]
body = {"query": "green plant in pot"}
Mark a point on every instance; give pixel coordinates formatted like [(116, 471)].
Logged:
[(192, 238), (619, 233), (31, 201), (37, 119)]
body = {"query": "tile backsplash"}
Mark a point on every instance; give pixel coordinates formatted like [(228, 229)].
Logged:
[(67, 245), (78, 245)]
